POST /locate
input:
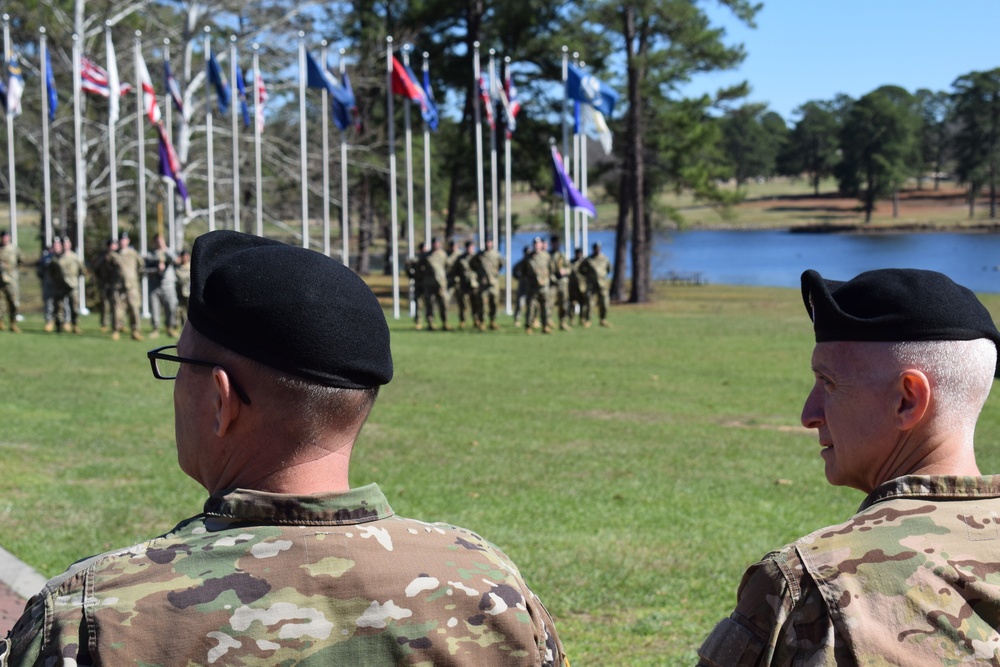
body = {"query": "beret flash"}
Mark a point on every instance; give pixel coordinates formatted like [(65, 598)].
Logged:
[(292, 309), (893, 305)]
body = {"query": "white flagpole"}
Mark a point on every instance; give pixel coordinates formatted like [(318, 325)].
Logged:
[(494, 186), (427, 170), (345, 219), (302, 139), (234, 102), (169, 127), (394, 257), (257, 111), (46, 180), (209, 148), (140, 149), (582, 219), (324, 112), (409, 183), (81, 171), (477, 114), (565, 131), (10, 138), (576, 159), (115, 92), (506, 204)]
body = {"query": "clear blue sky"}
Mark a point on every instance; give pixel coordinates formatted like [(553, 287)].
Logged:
[(806, 50)]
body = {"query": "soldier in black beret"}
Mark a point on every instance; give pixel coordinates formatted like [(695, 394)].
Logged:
[(903, 363), (275, 374)]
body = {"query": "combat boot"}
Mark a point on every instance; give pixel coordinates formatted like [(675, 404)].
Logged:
[(14, 328), (172, 333), (605, 323), (493, 325), (77, 329), (2, 326), (49, 327), (546, 329), (136, 335), (115, 335), (565, 326), (67, 327), (418, 326), (153, 335)]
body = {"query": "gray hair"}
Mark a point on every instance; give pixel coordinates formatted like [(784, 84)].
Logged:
[(960, 372)]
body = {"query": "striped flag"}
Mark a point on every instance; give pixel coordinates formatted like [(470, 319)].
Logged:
[(261, 100), (484, 95), (149, 105)]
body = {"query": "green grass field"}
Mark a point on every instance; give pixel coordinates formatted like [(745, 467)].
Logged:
[(632, 473)]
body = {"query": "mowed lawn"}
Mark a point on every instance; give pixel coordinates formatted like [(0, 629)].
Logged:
[(632, 473)]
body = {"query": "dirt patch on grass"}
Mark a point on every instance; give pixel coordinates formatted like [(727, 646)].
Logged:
[(759, 426)]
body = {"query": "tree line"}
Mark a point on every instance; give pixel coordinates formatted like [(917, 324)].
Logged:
[(873, 145)]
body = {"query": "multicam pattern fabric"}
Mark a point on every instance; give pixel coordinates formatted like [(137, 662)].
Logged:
[(912, 579), (266, 579)]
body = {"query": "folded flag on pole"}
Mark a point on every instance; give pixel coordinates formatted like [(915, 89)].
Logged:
[(261, 101), (355, 115), (94, 80), (596, 118), (114, 83), (149, 105), (3, 95), (513, 105), (317, 76), (405, 83), (15, 86), (50, 86), (218, 80), (484, 95), (588, 89), (173, 88), (241, 92), (170, 166), (565, 189), (429, 92)]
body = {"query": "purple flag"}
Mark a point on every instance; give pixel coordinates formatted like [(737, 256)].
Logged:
[(564, 187), (170, 166)]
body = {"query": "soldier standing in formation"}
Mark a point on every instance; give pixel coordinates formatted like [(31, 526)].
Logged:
[(436, 285), (45, 277), (462, 276), (519, 273), (10, 260), (487, 265), (162, 287), (538, 272), (415, 267), (64, 270), (108, 274), (560, 283), (579, 296), (183, 274), (597, 268), (129, 288)]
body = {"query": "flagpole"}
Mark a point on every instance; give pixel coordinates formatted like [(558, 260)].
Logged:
[(506, 204), (479, 143), (427, 169), (257, 112), (324, 111), (140, 149), (583, 219), (209, 149), (233, 105), (345, 219), (394, 257), (302, 139), (10, 137), (576, 155), (114, 91), (565, 132), (494, 186), (46, 179), (169, 127), (409, 183), (81, 170)]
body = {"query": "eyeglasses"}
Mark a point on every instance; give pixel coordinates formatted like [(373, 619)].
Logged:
[(165, 367)]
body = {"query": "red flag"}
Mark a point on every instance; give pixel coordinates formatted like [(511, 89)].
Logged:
[(149, 105), (484, 94), (403, 85)]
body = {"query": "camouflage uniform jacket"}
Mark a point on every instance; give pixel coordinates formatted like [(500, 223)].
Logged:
[(487, 264), (132, 267), (538, 270), (597, 268), (911, 579), (10, 259), (268, 579), (65, 270), (436, 270), (559, 268), (462, 274)]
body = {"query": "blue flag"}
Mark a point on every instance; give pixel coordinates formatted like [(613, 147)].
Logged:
[(218, 79), (3, 95), (564, 187), (587, 88), (50, 87), (173, 88), (343, 96), (428, 110), (241, 90), (431, 104)]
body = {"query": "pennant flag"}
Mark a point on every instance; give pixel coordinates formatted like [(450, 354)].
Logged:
[(170, 166), (173, 88), (241, 92), (114, 83), (513, 106), (429, 93), (15, 86), (318, 76), (50, 86), (484, 95), (218, 79), (261, 101), (564, 187), (588, 89), (149, 105)]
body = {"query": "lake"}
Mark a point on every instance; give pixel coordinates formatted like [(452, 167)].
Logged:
[(776, 258)]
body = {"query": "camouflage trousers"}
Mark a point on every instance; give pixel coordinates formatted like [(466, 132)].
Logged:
[(467, 298), (488, 297), (561, 293), (581, 300), (128, 299), (436, 296), (66, 304), (602, 294), (538, 306), (12, 299)]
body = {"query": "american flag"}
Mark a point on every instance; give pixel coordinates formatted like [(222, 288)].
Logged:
[(94, 79)]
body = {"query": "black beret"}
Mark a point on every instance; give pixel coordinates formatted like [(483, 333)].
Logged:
[(894, 305), (292, 309)]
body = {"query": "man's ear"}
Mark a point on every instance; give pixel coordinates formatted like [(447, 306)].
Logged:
[(914, 393), (227, 401)]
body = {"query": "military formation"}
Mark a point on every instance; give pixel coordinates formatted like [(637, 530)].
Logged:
[(552, 290)]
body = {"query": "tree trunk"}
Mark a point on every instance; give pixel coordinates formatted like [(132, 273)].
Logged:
[(641, 248), (895, 202), (621, 230)]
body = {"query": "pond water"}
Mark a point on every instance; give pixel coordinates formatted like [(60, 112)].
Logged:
[(776, 258)]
